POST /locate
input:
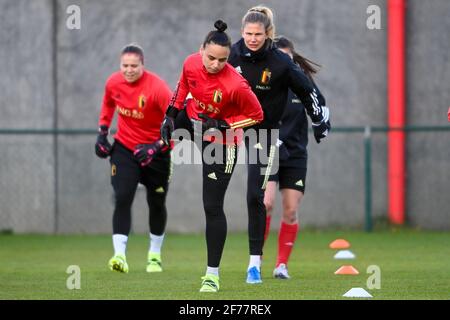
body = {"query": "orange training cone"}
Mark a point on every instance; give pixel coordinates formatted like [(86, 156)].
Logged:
[(348, 269), (340, 244)]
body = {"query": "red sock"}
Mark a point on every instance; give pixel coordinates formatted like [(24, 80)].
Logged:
[(286, 240), (266, 233)]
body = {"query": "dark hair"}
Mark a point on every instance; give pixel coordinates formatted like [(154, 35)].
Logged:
[(219, 36), (308, 66), (133, 48), (261, 14)]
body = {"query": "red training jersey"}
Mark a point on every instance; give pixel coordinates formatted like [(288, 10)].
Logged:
[(140, 106), (225, 95)]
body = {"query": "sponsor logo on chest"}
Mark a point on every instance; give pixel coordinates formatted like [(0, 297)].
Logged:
[(135, 112), (131, 113)]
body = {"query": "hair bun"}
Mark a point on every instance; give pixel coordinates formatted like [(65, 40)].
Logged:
[(220, 26)]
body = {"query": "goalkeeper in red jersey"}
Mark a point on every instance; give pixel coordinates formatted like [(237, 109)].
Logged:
[(138, 154)]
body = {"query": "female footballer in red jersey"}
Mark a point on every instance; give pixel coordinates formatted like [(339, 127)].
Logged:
[(221, 100), (138, 154)]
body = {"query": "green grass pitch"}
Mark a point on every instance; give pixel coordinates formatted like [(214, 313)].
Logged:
[(413, 265)]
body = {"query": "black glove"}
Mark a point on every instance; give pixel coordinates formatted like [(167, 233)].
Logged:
[(168, 125), (145, 153), (322, 128), (210, 123), (283, 152), (102, 146)]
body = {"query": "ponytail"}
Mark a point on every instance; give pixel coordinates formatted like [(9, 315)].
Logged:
[(308, 66), (219, 36)]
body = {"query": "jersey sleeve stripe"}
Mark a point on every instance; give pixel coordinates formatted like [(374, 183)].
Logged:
[(243, 123)]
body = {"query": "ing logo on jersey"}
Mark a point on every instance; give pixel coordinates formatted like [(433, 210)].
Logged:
[(141, 101), (217, 97), (265, 78)]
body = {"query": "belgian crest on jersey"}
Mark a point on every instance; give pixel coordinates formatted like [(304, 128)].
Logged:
[(265, 77), (217, 97), (141, 101)]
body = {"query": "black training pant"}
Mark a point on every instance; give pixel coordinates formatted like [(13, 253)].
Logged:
[(262, 161), (126, 173)]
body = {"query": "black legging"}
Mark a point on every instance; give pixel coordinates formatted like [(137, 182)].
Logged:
[(216, 177), (261, 162)]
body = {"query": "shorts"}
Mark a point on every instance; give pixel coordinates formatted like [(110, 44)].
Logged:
[(290, 178)]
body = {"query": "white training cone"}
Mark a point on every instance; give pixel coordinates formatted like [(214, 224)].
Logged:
[(357, 293), (344, 254)]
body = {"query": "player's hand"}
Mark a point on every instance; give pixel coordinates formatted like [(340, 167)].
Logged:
[(210, 123), (102, 146), (283, 152), (167, 127), (168, 124), (145, 153), (322, 128)]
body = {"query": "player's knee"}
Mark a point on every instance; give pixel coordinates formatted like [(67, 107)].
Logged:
[(123, 199), (157, 210), (213, 210), (290, 214), (255, 198)]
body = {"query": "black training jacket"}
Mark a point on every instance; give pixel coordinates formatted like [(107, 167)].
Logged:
[(270, 73), (294, 131)]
